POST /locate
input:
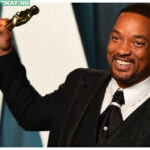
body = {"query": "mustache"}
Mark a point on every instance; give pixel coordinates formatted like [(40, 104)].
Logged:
[(123, 58)]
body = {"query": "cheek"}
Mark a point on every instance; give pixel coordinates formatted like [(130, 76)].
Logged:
[(142, 59), (111, 48), (110, 52)]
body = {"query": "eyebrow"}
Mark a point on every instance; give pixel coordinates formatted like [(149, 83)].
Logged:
[(114, 30), (140, 37), (135, 36)]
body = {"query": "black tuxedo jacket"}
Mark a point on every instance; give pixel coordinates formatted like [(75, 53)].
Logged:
[(71, 112)]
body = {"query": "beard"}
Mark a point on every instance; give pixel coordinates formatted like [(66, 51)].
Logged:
[(125, 81)]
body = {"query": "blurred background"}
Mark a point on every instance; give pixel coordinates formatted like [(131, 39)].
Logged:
[(61, 38)]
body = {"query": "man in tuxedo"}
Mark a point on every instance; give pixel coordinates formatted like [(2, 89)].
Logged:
[(92, 107)]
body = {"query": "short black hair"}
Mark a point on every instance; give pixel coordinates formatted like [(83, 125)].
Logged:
[(140, 8)]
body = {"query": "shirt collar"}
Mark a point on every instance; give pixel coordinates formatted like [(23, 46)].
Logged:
[(134, 93)]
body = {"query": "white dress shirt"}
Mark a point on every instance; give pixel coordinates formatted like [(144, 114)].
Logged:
[(134, 96)]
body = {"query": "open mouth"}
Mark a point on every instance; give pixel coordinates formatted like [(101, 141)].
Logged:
[(123, 63)]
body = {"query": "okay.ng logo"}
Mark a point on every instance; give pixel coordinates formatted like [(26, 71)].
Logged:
[(15, 2)]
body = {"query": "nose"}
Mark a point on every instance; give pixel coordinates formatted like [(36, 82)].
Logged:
[(124, 49)]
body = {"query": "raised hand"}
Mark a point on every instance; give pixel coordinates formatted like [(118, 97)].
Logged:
[(5, 38)]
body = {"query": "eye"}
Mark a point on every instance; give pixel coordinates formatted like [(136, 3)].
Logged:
[(139, 44), (115, 38)]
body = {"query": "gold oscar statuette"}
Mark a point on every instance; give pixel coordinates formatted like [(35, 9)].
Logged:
[(22, 17)]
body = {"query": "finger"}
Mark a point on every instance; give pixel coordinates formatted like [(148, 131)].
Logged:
[(5, 36), (5, 40), (5, 31), (3, 22)]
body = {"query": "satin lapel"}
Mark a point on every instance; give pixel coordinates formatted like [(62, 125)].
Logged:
[(84, 96), (133, 130)]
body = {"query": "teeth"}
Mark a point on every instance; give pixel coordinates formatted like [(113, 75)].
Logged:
[(120, 62)]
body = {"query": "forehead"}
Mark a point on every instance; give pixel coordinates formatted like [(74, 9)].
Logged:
[(131, 22)]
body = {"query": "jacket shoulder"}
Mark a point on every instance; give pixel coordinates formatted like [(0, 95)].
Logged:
[(86, 73)]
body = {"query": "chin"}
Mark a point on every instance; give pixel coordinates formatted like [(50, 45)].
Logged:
[(123, 78)]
